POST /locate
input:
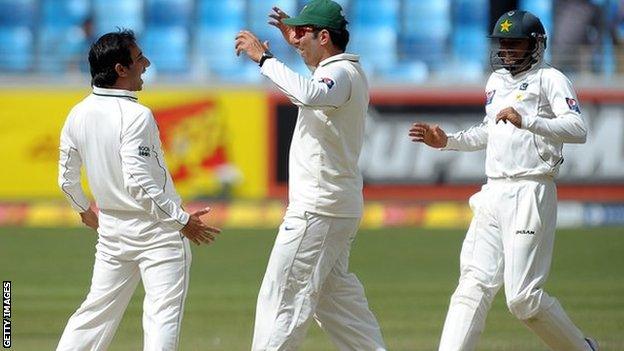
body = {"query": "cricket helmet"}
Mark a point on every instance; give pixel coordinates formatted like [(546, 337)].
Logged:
[(518, 24)]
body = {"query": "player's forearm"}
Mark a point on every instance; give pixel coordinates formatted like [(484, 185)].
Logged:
[(472, 139), (152, 198), (76, 196), (568, 128), (69, 179), (306, 91)]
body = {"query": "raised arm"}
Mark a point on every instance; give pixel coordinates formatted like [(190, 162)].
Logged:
[(330, 91), (276, 18)]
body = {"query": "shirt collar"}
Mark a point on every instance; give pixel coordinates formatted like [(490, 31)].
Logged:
[(120, 93), (339, 57), (522, 75)]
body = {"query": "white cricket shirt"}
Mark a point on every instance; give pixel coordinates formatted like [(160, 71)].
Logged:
[(551, 116), (118, 141), (324, 176)]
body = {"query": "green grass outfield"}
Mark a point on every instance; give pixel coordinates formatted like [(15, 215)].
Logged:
[(409, 275)]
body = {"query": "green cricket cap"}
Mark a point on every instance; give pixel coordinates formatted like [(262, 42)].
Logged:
[(319, 13)]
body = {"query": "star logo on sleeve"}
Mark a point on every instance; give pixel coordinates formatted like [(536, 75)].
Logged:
[(504, 27)]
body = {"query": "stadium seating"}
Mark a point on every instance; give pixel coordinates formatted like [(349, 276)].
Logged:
[(375, 14), (344, 4), (396, 38), (258, 17), (406, 72), (221, 14), (542, 9), (470, 13), (113, 14), (471, 44), (61, 49), (426, 26), (64, 13), (17, 49), (218, 23), (374, 26), (215, 55), (18, 13), (259, 11), (167, 47), (168, 12), (376, 46)]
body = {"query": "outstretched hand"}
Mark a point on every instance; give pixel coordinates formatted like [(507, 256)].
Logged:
[(276, 20), (248, 43), (197, 231), (431, 135)]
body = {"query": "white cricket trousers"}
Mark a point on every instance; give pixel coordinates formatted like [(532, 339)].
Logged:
[(510, 241), (130, 249), (307, 276)]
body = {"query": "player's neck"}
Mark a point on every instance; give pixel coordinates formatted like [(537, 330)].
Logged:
[(123, 84), (329, 53)]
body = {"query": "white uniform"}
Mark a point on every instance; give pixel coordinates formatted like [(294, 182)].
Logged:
[(510, 240), (140, 217), (307, 274)]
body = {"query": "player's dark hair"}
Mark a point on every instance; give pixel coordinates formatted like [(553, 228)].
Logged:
[(339, 37), (109, 50)]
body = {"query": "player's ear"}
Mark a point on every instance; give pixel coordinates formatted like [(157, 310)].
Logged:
[(324, 37), (121, 70)]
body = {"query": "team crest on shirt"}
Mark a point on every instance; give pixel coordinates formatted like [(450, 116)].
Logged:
[(573, 105), (144, 151), (489, 95), (330, 83), (524, 86)]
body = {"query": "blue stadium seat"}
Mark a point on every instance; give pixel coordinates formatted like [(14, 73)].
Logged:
[(61, 48), (215, 50), (17, 49), (64, 13), (345, 4), (427, 17), (167, 48), (221, 14), (407, 72), (470, 44), (426, 29), (375, 13), (471, 13), (168, 12), (430, 49), (21, 13), (259, 11), (542, 9), (110, 14), (376, 46), (215, 45)]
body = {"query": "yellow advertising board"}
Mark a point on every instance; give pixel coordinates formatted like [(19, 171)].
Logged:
[(215, 141)]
